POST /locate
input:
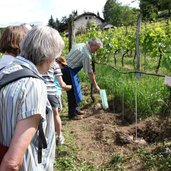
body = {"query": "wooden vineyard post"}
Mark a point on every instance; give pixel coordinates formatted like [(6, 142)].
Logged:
[(71, 32)]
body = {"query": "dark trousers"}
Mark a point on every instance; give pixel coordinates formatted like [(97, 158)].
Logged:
[(72, 105)]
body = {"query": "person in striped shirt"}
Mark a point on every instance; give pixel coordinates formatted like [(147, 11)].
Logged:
[(24, 104), (53, 98), (79, 57)]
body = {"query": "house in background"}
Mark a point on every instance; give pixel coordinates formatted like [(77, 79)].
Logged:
[(83, 21)]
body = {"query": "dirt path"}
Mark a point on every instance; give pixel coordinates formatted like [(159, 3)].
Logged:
[(97, 135), (101, 134), (94, 135)]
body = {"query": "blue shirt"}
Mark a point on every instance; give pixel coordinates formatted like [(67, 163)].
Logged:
[(58, 87), (6, 60)]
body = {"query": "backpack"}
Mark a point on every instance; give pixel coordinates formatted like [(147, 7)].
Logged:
[(23, 73)]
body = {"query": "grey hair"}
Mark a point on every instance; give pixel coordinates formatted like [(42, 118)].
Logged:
[(95, 42), (41, 43)]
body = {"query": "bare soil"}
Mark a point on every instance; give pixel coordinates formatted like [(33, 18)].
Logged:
[(102, 133)]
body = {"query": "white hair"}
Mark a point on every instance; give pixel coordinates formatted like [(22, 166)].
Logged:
[(96, 42), (40, 44)]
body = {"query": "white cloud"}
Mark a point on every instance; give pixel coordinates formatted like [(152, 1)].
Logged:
[(21, 11), (14, 12), (29, 11), (66, 7)]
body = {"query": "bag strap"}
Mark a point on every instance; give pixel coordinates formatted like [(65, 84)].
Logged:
[(9, 78), (23, 73), (42, 143)]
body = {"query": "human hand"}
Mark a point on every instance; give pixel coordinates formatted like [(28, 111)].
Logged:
[(68, 87), (97, 88)]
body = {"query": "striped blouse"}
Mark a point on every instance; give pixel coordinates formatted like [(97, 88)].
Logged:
[(22, 99), (49, 77), (80, 56)]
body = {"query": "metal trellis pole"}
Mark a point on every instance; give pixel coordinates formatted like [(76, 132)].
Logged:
[(138, 75)]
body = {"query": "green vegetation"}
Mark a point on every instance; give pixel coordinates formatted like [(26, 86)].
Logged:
[(155, 160), (0, 55), (148, 92), (151, 93), (117, 14), (118, 56), (66, 155)]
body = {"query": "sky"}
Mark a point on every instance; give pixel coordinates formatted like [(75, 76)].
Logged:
[(15, 12)]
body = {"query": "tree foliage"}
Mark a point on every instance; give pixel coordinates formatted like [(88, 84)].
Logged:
[(63, 24), (117, 14), (151, 10), (52, 23), (165, 5)]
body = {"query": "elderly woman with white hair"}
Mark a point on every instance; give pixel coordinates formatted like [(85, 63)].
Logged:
[(24, 104)]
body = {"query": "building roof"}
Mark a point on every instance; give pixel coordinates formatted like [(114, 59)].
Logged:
[(89, 13)]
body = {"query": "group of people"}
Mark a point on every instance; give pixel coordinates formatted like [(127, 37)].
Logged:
[(29, 102)]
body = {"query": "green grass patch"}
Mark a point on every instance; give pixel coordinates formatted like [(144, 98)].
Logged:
[(67, 158), (148, 92)]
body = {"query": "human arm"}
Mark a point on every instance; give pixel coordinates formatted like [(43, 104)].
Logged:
[(87, 66), (93, 81), (24, 132), (63, 84)]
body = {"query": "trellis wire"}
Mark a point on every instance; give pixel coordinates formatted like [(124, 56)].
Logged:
[(138, 76), (132, 72)]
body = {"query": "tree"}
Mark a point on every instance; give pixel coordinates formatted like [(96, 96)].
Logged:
[(117, 14), (63, 25), (57, 23), (112, 12), (165, 5), (149, 9), (129, 15), (74, 14), (52, 23)]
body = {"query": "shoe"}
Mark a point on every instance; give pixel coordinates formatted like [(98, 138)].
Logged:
[(77, 117), (80, 112), (61, 140)]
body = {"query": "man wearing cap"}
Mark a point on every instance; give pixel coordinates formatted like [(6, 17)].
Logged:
[(79, 57)]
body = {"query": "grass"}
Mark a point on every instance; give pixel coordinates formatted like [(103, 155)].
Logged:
[(155, 160), (147, 158), (67, 158), (148, 92), (152, 98)]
